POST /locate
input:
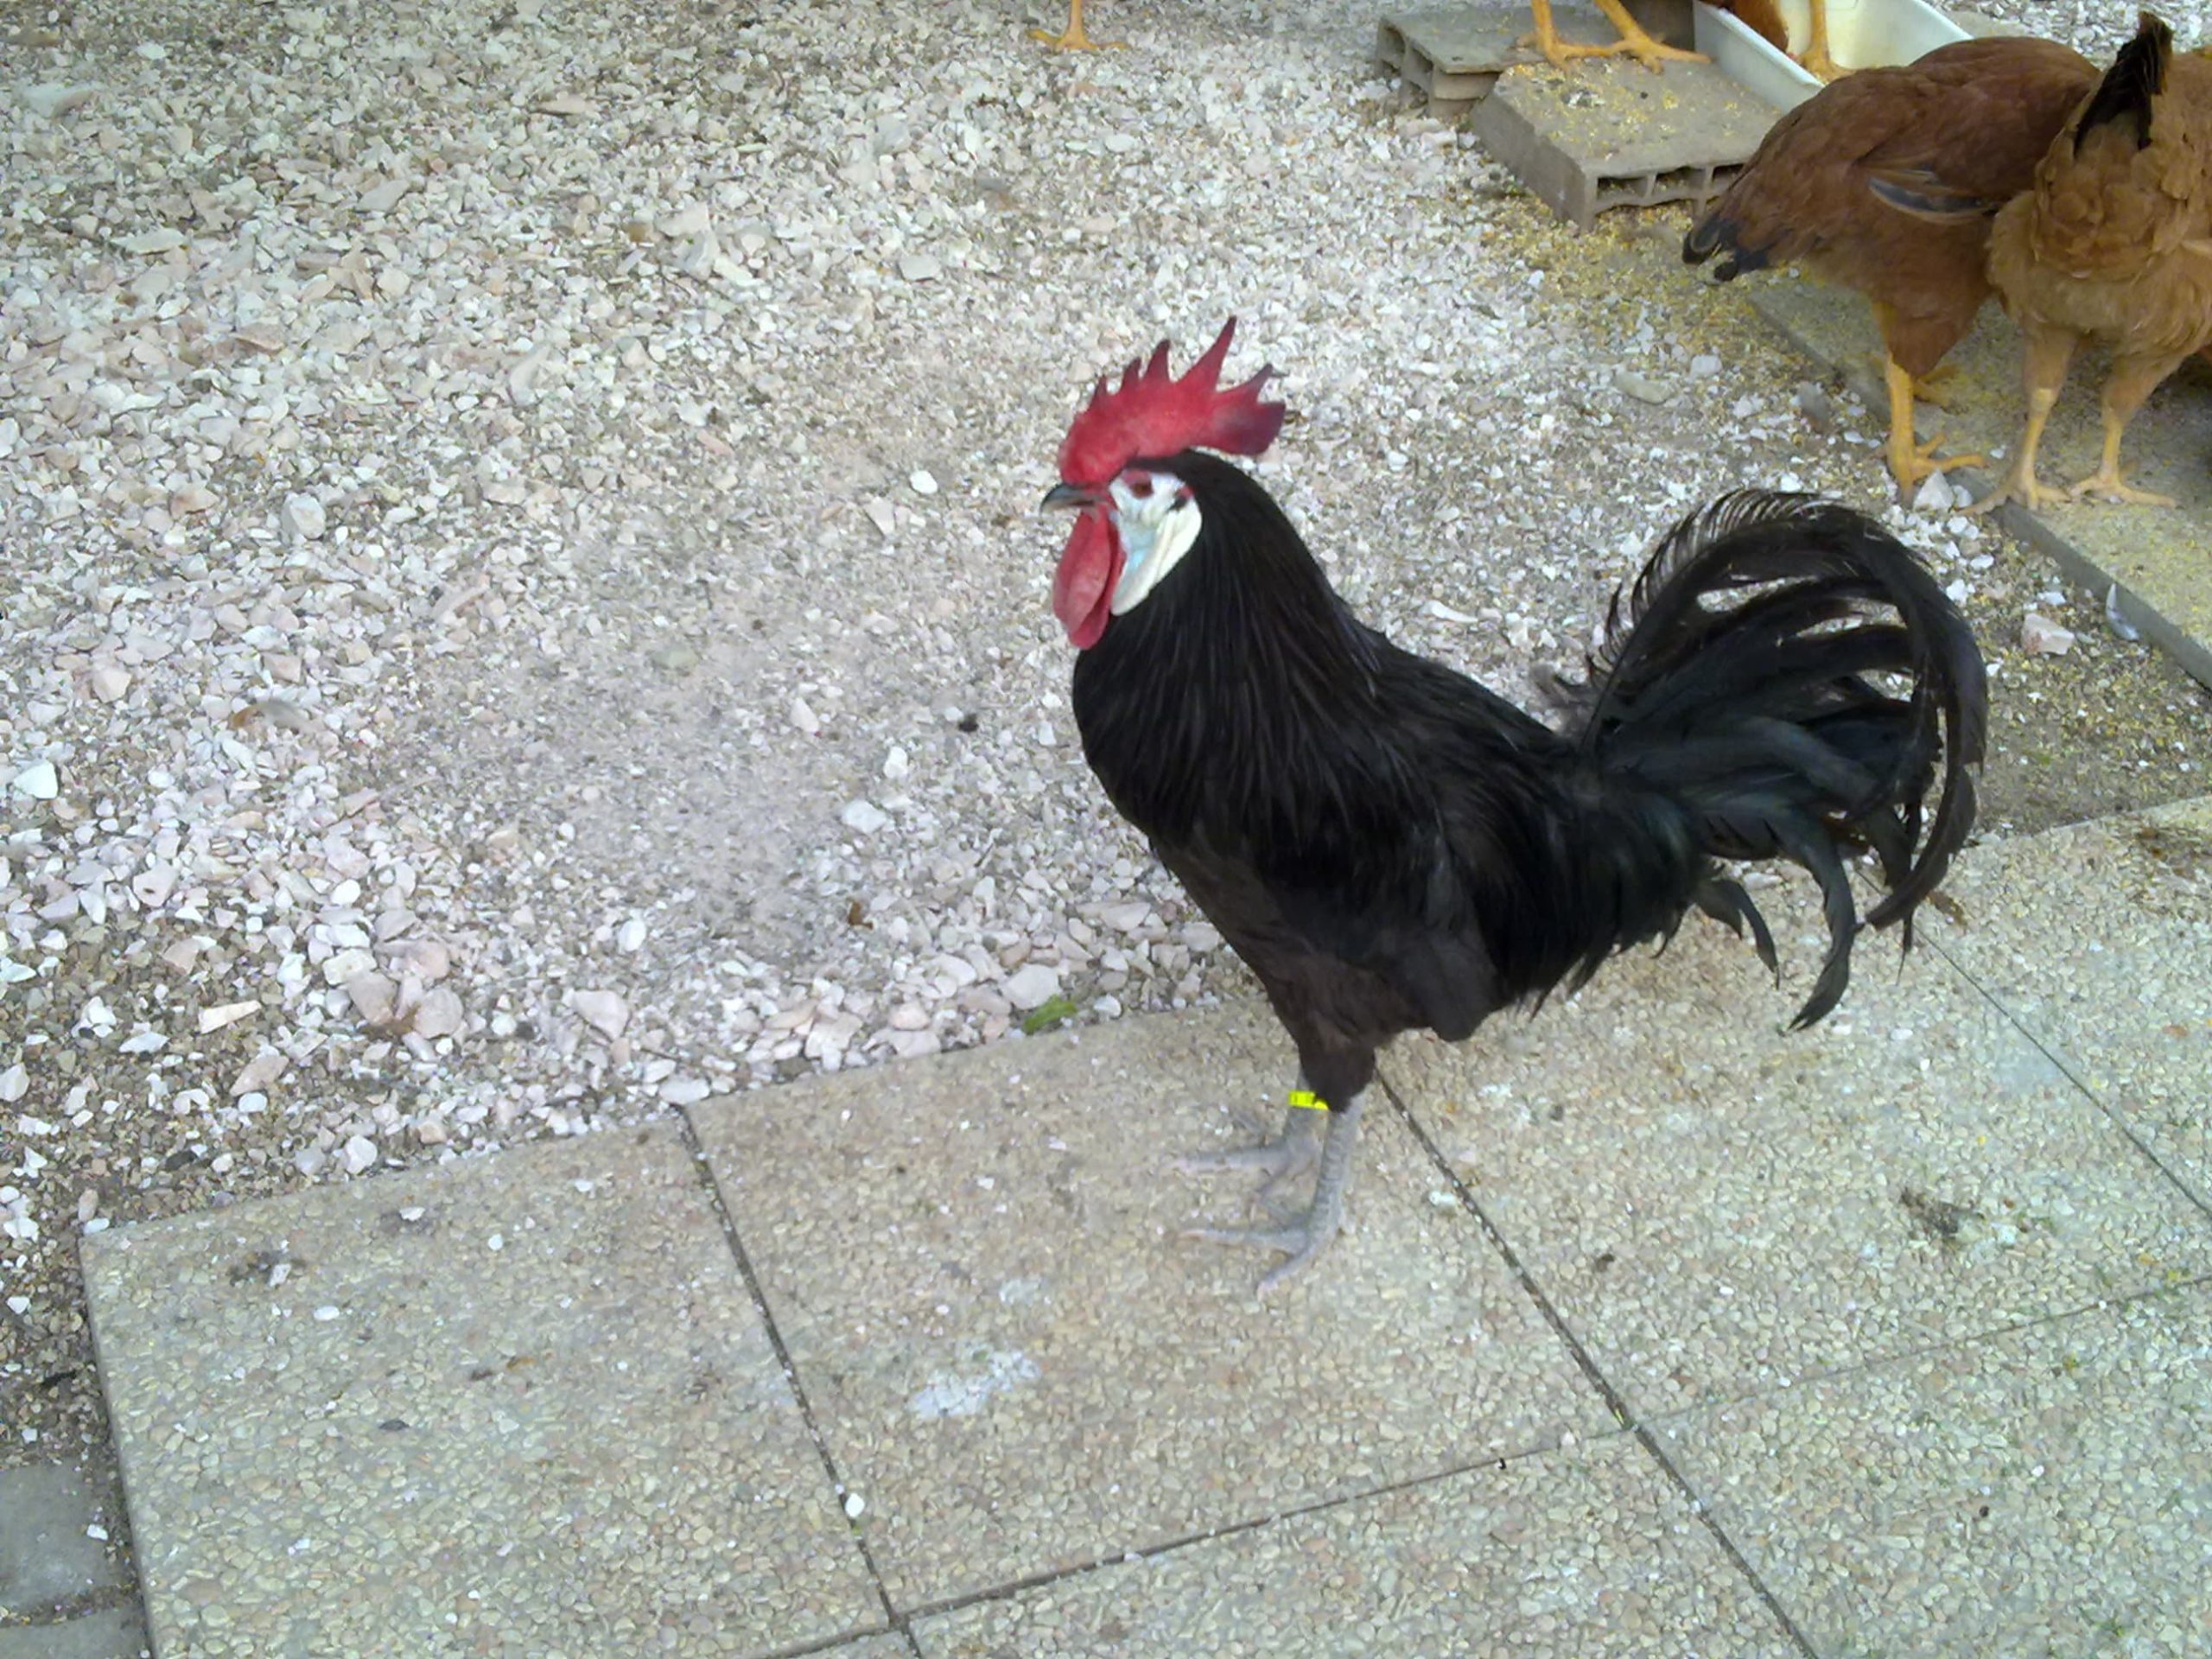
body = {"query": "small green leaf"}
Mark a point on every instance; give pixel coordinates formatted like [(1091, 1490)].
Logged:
[(1053, 1011)]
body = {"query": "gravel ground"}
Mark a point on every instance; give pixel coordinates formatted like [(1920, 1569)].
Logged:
[(522, 604)]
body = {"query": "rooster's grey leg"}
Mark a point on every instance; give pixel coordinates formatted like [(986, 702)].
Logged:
[(1304, 1240), (1289, 1155)]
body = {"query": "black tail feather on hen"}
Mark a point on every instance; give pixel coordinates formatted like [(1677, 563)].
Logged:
[(2138, 75), (1714, 232), (1792, 676)]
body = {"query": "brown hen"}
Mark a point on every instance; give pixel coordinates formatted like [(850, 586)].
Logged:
[(2115, 243), (1886, 182)]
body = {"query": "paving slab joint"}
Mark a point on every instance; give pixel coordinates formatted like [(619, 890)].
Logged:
[(705, 1169), (1615, 1403), (2067, 1069)]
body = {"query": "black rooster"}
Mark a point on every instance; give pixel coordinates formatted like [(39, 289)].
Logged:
[(1390, 847)]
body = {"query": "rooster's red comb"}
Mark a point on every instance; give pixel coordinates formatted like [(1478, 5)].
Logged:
[(1151, 414)]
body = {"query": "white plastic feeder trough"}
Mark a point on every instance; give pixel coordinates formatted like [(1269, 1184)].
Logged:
[(1861, 34)]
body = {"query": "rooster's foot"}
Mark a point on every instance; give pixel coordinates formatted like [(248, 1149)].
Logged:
[(1304, 1241)]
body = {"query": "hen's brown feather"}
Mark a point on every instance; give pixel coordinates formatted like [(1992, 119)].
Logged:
[(1764, 18), (1886, 182)]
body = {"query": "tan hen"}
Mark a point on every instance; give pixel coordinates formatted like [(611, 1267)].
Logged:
[(2114, 244)]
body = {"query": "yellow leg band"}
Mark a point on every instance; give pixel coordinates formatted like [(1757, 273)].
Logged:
[(1307, 1100)]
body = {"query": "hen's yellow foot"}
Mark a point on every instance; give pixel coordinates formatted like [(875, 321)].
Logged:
[(1934, 389), (2027, 491), (1909, 463), (2105, 485), (1072, 38), (1645, 50), (1823, 69)]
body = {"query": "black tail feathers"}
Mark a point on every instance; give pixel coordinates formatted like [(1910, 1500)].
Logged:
[(2137, 76), (1806, 715)]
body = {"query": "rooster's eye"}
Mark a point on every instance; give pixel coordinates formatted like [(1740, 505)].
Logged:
[(1140, 483)]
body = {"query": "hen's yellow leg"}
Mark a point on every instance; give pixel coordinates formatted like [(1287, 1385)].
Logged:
[(2020, 484), (2129, 384), (1072, 39), (1910, 461), (1633, 41), (2042, 374), (1816, 60)]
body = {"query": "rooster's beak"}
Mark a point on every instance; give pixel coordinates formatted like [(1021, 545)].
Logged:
[(1066, 495)]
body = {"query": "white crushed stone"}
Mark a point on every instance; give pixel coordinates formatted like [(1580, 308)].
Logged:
[(2041, 637), (1033, 986)]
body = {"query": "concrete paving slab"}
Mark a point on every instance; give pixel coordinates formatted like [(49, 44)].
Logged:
[(1716, 1206), (2097, 938), (975, 1266), (47, 1554), (113, 1633), (2160, 557), (1577, 1556), (2043, 1492), (522, 1404)]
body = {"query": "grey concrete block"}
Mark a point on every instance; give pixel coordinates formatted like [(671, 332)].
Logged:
[(1455, 54), (1615, 134)]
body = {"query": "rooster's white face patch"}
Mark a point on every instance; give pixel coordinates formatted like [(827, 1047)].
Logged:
[(1157, 519)]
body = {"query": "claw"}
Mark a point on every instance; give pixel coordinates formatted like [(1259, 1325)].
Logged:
[(2024, 488), (1910, 461), (1914, 461), (1646, 51), (1302, 1244), (1634, 41), (1293, 1153)]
